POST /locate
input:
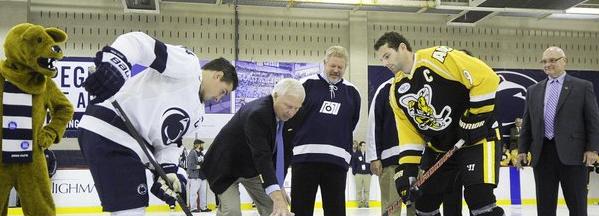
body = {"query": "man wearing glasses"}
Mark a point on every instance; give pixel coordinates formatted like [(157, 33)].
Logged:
[(561, 131)]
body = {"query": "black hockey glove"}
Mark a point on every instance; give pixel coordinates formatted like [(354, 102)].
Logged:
[(112, 69), (428, 159), (163, 192), (475, 127), (405, 176)]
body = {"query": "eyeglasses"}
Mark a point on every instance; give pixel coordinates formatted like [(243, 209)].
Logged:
[(551, 60)]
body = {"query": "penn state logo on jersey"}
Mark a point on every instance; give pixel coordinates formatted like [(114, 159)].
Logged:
[(511, 94), (175, 123), (422, 111), (511, 97)]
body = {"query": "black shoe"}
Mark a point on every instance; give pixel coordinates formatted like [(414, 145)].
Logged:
[(195, 211), (206, 210)]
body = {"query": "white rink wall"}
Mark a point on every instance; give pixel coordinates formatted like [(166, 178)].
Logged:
[(75, 188)]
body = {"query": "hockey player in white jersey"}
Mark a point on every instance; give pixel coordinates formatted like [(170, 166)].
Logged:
[(164, 103)]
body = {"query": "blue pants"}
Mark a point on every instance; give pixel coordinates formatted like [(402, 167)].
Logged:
[(118, 173)]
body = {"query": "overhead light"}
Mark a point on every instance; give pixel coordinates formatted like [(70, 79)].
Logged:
[(141, 6), (470, 18), (575, 16), (337, 1), (405, 3), (580, 10)]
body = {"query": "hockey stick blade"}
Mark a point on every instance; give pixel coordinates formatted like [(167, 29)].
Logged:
[(155, 164), (422, 179)]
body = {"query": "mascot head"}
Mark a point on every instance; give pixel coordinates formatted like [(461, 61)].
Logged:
[(34, 47)]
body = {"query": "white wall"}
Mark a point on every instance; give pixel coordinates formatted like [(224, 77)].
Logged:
[(11, 13), (302, 35), (75, 188)]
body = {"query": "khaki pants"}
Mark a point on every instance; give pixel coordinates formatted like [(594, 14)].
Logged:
[(362, 189), (389, 193), (197, 194), (230, 204)]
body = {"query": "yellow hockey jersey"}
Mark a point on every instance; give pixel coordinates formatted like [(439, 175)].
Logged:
[(429, 101)]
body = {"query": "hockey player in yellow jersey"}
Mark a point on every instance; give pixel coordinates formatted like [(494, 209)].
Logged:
[(439, 96)]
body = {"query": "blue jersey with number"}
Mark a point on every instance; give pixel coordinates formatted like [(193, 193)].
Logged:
[(328, 118)]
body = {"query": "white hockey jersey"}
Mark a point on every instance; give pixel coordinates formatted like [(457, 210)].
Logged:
[(162, 102)]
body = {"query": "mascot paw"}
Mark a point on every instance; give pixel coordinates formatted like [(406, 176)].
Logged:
[(46, 137)]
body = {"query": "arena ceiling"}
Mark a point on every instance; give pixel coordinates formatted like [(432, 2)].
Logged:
[(463, 12)]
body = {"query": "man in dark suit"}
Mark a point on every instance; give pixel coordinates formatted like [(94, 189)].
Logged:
[(511, 150), (249, 150), (515, 134), (561, 131)]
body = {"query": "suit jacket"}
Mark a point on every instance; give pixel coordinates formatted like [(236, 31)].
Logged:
[(194, 160), (191, 162), (358, 159), (576, 127), (244, 147)]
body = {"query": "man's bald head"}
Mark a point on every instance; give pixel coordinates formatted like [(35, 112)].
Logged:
[(554, 61), (555, 51)]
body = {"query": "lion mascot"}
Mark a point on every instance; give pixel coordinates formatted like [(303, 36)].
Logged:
[(27, 93)]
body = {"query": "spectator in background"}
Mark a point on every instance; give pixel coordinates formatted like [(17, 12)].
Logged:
[(197, 179), (183, 158), (362, 174), (514, 137)]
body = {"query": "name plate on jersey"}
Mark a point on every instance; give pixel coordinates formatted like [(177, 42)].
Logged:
[(329, 107)]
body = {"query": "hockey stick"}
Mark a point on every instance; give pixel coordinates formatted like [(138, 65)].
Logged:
[(422, 179), (143, 146)]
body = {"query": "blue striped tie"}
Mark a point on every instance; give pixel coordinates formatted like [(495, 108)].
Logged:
[(280, 165), (552, 98)]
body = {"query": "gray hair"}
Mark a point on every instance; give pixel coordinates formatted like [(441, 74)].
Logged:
[(289, 86), (336, 51)]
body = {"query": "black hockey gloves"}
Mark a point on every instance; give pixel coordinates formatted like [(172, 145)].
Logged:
[(405, 176), (475, 127), (161, 190), (112, 69)]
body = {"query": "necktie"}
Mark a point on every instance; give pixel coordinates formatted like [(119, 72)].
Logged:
[(552, 98), (280, 165)]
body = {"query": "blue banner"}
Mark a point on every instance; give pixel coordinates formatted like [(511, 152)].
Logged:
[(256, 79)]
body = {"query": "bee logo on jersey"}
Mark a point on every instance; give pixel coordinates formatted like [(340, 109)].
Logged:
[(420, 108), (175, 123), (329, 107)]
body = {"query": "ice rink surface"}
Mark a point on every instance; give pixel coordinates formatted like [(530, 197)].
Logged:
[(514, 210)]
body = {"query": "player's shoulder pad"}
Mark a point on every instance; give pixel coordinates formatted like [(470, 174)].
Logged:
[(383, 86), (309, 78)]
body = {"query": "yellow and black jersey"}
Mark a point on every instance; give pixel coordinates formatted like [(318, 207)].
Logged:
[(429, 100)]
